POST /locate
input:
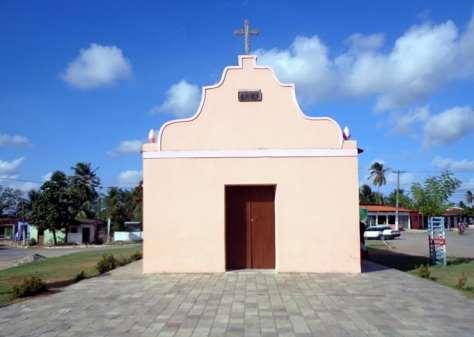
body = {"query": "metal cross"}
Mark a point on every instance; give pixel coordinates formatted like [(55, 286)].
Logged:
[(246, 32)]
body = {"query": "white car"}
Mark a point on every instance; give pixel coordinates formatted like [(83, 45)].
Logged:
[(381, 232)]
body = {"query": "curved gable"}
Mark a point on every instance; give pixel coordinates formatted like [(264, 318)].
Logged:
[(222, 122)]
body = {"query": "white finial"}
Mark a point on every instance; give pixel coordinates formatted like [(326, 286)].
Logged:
[(152, 136), (347, 133)]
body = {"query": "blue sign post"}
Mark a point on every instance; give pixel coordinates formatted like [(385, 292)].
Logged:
[(437, 240)]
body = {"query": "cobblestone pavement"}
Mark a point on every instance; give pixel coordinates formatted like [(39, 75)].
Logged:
[(381, 302)]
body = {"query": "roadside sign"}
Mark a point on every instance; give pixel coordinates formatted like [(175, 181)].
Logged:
[(437, 240)]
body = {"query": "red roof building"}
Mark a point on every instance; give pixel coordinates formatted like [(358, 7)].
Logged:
[(386, 215)]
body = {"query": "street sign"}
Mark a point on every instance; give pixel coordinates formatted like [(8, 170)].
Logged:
[(437, 240)]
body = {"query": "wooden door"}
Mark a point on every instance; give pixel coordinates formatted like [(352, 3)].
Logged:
[(250, 227), (262, 224)]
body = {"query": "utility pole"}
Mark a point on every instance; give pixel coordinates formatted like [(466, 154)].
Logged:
[(398, 172)]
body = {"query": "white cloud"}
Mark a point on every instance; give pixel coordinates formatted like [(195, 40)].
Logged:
[(406, 179), (405, 123), (127, 146), (359, 42), (47, 176), (453, 165), (9, 176), (10, 167), (97, 66), (13, 140), (468, 185), (442, 128), (448, 126), (306, 62), (182, 100), (420, 61), (24, 186), (129, 178)]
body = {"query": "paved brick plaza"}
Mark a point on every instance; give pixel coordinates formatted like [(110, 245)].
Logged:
[(126, 303)]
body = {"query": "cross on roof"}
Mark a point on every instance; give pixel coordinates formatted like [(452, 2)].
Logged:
[(246, 32)]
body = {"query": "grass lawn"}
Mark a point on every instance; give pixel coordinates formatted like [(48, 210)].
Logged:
[(448, 276), (58, 269)]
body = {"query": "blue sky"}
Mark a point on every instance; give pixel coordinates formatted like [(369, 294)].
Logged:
[(85, 81)]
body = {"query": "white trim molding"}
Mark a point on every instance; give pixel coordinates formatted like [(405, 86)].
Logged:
[(253, 153)]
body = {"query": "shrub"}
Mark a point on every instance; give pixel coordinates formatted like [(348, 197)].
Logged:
[(107, 263), (462, 280), (32, 242), (122, 261), (80, 276), (423, 271), (136, 256), (30, 286)]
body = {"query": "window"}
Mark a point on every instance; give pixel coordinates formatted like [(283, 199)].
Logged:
[(391, 219), (382, 220), (403, 221), (74, 229), (371, 220)]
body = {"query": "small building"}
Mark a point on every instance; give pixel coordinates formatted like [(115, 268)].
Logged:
[(250, 181), (86, 231), (133, 231), (455, 215), (14, 230), (386, 215), (7, 228)]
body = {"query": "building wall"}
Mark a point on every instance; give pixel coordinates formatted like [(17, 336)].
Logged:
[(48, 238), (316, 212), (228, 142), (77, 237), (224, 123)]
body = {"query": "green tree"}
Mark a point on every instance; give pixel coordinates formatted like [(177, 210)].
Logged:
[(403, 199), (52, 209), (366, 196), (83, 185), (25, 206), (137, 202), (377, 173), (432, 197), (118, 207), (9, 199), (379, 198)]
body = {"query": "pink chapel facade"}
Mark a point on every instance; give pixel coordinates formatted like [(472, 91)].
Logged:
[(250, 182)]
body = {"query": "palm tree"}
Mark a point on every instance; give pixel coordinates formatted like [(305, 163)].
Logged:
[(377, 174), (469, 198)]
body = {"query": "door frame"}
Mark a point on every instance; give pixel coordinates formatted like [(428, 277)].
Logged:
[(276, 227)]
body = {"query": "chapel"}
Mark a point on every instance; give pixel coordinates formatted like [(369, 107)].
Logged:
[(250, 182)]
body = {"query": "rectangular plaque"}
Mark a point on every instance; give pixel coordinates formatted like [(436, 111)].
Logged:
[(250, 95)]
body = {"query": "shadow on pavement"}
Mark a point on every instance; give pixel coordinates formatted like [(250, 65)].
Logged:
[(397, 260)]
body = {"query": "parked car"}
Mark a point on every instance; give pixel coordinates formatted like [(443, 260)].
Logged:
[(381, 232)]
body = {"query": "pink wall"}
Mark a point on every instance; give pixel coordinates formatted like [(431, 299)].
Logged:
[(270, 142)]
